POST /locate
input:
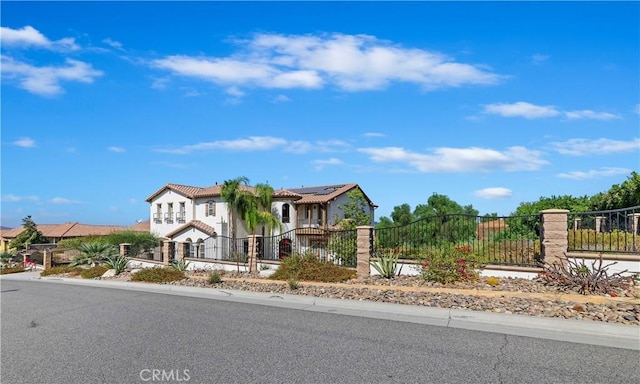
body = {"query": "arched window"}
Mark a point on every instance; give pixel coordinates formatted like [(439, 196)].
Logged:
[(201, 248), (285, 213)]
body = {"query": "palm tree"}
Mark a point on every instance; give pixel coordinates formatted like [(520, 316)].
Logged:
[(254, 208), (93, 252)]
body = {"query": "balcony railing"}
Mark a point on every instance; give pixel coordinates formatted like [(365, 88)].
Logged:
[(181, 217), (168, 217), (157, 218), (310, 223)]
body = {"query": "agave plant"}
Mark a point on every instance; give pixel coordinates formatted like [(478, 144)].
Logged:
[(93, 253), (386, 265), (117, 262), (180, 265)]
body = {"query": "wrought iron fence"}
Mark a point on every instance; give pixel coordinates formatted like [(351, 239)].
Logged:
[(605, 231), (512, 240), (333, 246), (224, 248)]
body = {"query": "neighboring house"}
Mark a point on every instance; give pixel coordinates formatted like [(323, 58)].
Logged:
[(198, 217), (56, 232)]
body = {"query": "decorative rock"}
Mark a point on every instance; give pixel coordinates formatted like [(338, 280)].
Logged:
[(109, 273)]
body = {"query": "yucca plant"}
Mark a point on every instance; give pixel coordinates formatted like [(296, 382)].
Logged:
[(93, 253), (117, 262), (386, 265)]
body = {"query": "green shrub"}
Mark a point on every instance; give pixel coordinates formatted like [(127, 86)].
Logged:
[(293, 284), (309, 268), (158, 275), (93, 272), (117, 262), (449, 266), (13, 269), (57, 270), (214, 278)]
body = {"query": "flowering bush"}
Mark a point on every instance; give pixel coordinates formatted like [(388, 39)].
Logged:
[(448, 266)]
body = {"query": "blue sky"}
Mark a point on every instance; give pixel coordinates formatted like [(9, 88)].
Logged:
[(491, 104)]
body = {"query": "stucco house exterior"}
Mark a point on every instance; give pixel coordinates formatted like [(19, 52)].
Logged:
[(195, 220)]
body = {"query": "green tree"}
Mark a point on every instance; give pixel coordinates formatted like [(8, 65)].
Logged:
[(233, 192), (30, 235), (355, 211), (625, 195), (138, 241), (447, 222)]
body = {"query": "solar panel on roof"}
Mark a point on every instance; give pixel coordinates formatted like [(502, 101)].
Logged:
[(321, 190)]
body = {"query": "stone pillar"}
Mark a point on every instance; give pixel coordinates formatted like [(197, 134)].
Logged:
[(554, 240), (47, 255), (253, 252), (124, 249), (181, 251), (165, 252), (599, 220), (363, 253)]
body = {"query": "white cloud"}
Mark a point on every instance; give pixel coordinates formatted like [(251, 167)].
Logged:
[(281, 99), (538, 59), (321, 164), (19, 199), (113, 43), (160, 83), (588, 114), (45, 81), (592, 174), (586, 147), (116, 149), (28, 36), (25, 142), (298, 147), (637, 109), (521, 109), (471, 159), (63, 201), (494, 193), (253, 143), (234, 91), (350, 62), (373, 134)]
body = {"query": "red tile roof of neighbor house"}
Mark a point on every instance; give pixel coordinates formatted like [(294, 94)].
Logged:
[(70, 230)]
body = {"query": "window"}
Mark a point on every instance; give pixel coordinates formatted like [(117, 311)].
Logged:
[(168, 217), (210, 208), (285, 213), (181, 216), (157, 217)]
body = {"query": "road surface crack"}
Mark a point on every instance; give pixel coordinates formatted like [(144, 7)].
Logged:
[(499, 357)]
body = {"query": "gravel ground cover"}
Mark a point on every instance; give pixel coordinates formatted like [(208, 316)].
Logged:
[(509, 296)]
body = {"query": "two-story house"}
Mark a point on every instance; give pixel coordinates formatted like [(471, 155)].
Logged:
[(197, 218)]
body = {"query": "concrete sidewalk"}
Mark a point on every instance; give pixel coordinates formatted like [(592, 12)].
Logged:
[(576, 331)]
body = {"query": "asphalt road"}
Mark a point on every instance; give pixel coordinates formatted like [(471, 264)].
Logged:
[(59, 333)]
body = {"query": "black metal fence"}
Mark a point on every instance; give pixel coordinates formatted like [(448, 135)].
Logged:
[(334, 246), (605, 231), (221, 248), (512, 240)]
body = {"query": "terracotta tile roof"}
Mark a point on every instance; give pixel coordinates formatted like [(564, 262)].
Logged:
[(197, 224), (66, 230), (143, 226), (285, 193), (325, 193), (195, 192)]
